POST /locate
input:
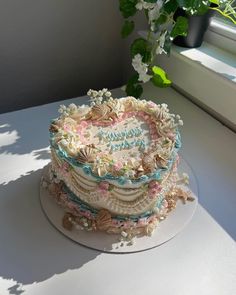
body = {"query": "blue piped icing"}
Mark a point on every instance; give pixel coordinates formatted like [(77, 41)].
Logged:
[(121, 180)]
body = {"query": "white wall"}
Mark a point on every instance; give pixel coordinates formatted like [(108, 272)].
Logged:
[(55, 49)]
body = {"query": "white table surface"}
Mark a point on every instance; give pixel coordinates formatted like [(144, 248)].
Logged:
[(36, 259)]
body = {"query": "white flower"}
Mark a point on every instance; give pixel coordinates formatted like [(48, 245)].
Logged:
[(108, 94), (62, 108), (94, 93), (143, 77), (64, 142), (144, 5), (181, 123), (72, 107), (161, 42), (141, 68), (153, 14)]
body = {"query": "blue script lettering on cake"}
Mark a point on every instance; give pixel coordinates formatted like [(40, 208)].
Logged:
[(109, 137)]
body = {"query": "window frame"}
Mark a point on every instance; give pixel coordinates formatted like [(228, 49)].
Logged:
[(222, 35)]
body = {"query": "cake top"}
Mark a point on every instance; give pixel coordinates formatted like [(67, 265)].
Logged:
[(117, 138)]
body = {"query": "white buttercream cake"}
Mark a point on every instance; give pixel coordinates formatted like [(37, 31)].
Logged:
[(114, 164)]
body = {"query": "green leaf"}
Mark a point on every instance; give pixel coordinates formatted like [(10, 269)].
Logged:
[(142, 47), (180, 27), (150, 1), (159, 77), (194, 6), (168, 43), (127, 28), (133, 79), (160, 21), (133, 88), (216, 2), (127, 7), (170, 6)]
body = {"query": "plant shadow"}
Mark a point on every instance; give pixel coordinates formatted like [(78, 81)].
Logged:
[(31, 249)]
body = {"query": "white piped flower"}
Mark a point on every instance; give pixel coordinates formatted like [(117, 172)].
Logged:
[(62, 108), (64, 142), (108, 94), (181, 123), (72, 107), (124, 234)]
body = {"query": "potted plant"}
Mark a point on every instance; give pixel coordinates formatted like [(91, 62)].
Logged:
[(199, 23), (164, 25)]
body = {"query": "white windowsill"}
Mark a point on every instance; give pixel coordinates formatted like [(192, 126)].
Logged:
[(208, 76), (221, 35)]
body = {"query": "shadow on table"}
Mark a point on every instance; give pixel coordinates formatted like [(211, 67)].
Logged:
[(21, 137), (27, 130), (31, 249)]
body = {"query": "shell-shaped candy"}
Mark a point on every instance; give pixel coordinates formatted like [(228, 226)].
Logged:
[(148, 163), (53, 128), (86, 155), (103, 219), (100, 111)]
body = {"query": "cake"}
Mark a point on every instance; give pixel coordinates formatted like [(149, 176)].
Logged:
[(114, 164)]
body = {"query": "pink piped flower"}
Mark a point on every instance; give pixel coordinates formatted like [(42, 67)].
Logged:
[(83, 124), (87, 214), (128, 224), (154, 189), (104, 185), (64, 168), (151, 104), (152, 193), (171, 135), (103, 188), (142, 222), (141, 114), (154, 184), (67, 127), (117, 166)]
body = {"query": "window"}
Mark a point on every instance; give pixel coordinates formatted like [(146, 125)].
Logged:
[(222, 33)]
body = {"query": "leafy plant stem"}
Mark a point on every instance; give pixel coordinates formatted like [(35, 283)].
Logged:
[(222, 13)]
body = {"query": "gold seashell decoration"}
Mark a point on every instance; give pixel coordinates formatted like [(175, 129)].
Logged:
[(103, 219), (139, 171), (86, 155), (161, 161), (149, 163), (67, 221), (150, 227), (104, 112), (101, 170), (100, 111), (184, 195), (53, 128)]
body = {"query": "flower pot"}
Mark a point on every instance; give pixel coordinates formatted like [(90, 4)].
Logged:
[(197, 26)]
